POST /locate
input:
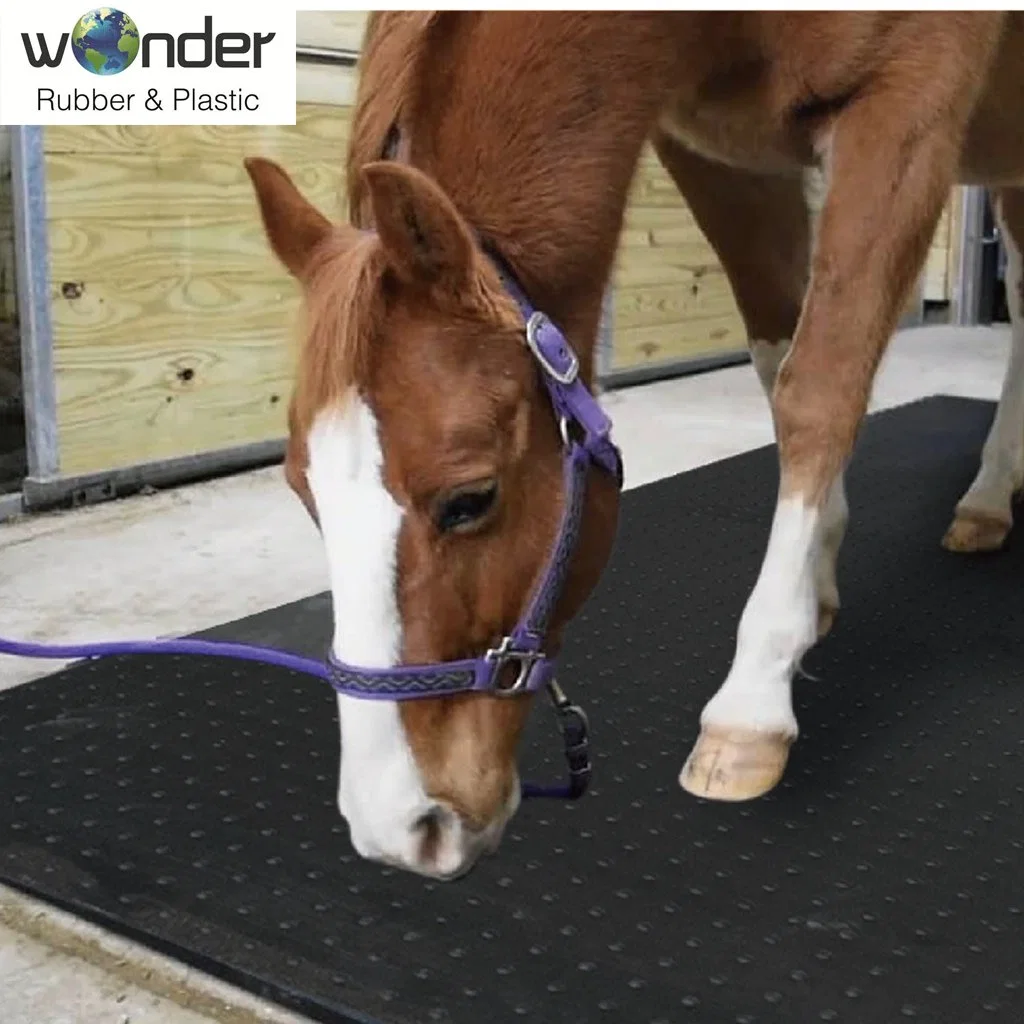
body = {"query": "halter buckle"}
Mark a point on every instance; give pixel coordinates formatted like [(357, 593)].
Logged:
[(505, 654), (551, 349)]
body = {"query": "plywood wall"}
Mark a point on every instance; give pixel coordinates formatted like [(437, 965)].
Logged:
[(330, 30), (939, 270), (954, 242), (174, 326), (671, 298), (173, 322)]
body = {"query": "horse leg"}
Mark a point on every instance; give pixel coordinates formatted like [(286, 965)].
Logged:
[(984, 515), (891, 157), (760, 229)]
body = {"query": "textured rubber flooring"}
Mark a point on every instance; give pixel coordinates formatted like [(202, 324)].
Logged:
[(190, 803)]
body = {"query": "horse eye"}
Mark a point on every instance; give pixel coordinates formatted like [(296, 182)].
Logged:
[(466, 508)]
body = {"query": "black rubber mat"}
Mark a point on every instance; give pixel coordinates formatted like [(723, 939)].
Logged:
[(190, 803)]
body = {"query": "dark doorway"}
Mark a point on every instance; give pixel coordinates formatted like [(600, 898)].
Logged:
[(992, 307), (13, 468)]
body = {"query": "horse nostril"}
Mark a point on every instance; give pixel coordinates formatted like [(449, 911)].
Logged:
[(427, 820), (428, 825)]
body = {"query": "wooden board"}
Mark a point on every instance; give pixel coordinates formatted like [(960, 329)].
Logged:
[(330, 30), (953, 252), (671, 298), (937, 279), (173, 323)]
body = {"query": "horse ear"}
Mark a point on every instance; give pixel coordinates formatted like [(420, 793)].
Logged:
[(423, 234), (294, 227)]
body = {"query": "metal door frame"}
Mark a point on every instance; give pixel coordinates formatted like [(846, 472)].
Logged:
[(965, 308)]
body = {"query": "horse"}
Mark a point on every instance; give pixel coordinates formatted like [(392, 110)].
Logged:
[(420, 435)]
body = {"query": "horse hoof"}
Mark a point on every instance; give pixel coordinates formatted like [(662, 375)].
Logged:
[(972, 532), (735, 764)]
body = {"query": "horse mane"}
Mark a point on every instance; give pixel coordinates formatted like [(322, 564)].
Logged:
[(344, 298), (346, 287), (343, 311), (393, 44), (420, 72)]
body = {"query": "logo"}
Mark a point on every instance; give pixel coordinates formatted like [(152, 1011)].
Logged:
[(105, 41), (235, 65)]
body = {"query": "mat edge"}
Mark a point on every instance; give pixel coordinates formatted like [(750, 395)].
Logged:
[(146, 962)]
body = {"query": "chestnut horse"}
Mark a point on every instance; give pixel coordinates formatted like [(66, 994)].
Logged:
[(421, 439)]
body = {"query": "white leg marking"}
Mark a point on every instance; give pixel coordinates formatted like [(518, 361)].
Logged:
[(778, 625), (380, 792), (768, 358), (1002, 458)]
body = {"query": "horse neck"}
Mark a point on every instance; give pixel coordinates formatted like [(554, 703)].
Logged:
[(534, 126)]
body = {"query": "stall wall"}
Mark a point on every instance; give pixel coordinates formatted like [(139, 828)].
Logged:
[(671, 298), (330, 30), (940, 269), (173, 323)]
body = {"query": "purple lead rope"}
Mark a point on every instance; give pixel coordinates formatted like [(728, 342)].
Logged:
[(241, 652), (238, 652)]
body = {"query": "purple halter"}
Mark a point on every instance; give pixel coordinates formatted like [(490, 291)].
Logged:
[(523, 647), (577, 410)]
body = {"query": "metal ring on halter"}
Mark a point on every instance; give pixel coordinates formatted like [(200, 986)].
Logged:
[(506, 654), (565, 377), (563, 429)]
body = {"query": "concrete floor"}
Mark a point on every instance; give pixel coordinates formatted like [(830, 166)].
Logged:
[(189, 558)]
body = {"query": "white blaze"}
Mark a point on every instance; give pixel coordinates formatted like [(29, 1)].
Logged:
[(380, 792)]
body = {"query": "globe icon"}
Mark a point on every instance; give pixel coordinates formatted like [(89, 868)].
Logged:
[(105, 41)]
